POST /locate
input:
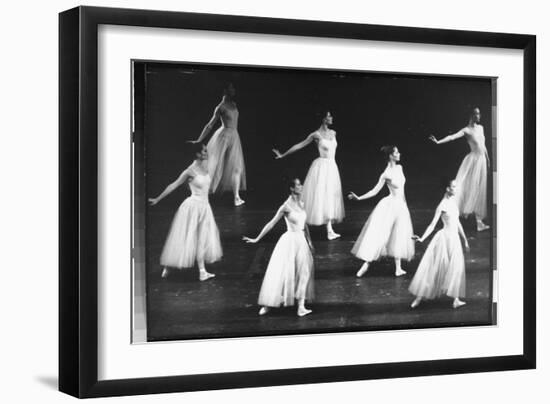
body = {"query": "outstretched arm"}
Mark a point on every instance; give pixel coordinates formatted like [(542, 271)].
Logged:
[(374, 191), (296, 147), (431, 227), (448, 138), (209, 126), (184, 176), (280, 213)]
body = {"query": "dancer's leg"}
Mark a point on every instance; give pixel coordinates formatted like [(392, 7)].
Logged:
[(398, 270), (363, 269), (302, 311), (203, 274), (331, 234)]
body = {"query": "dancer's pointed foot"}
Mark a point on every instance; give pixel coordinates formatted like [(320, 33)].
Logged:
[(238, 201), (263, 311), (362, 270), (332, 235), (399, 272), (482, 226), (416, 302), (302, 311), (205, 276), (458, 303), (165, 272)]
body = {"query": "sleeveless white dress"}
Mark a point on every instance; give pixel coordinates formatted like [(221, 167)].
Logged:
[(193, 233), (225, 154), (442, 268), (322, 192), (388, 230), (472, 177), (289, 274)]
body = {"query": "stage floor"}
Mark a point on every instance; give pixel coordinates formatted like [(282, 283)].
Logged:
[(182, 307)]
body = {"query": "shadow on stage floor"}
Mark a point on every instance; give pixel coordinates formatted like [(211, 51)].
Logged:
[(182, 307)]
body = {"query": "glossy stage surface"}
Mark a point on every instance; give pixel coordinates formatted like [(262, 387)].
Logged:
[(182, 307)]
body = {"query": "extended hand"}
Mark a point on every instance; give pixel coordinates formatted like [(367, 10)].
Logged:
[(433, 139), (153, 201), (192, 141), (352, 195), (467, 247), (250, 240), (416, 238), (278, 154)]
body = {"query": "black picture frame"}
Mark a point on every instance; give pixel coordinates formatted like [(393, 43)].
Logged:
[(78, 206)]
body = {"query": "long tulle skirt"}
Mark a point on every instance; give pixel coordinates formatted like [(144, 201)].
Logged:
[(322, 193), (387, 232), (289, 274), (193, 235), (225, 160), (441, 270), (472, 182)]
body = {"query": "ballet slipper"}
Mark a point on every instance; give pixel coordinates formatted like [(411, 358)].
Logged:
[(482, 226), (164, 273), (332, 235), (458, 303), (205, 276), (302, 311), (362, 270), (416, 302), (263, 310), (400, 272), (238, 202)]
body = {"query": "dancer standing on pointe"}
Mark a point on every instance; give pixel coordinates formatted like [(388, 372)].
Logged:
[(322, 193), (226, 162), (442, 268), (193, 236), (388, 230), (472, 174), (289, 274)]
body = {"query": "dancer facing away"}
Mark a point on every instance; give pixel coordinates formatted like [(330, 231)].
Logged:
[(226, 162), (472, 174), (289, 274), (388, 230), (441, 270), (193, 236), (322, 193)]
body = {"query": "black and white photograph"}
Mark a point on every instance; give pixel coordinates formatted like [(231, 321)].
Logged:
[(280, 201)]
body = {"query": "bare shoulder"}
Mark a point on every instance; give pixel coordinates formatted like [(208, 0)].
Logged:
[(333, 132)]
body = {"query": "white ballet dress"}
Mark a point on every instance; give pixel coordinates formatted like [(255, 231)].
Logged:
[(388, 230), (322, 192), (193, 234), (472, 177), (442, 268), (289, 274), (225, 153)]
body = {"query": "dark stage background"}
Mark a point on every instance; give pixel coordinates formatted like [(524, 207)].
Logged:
[(280, 107)]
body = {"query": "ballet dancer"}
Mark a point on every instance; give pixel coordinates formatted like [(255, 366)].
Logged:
[(289, 274), (193, 236), (441, 270), (472, 174), (226, 162), (388, 230), (322, 193)]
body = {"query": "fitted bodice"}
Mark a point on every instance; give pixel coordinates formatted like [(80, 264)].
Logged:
[(476, 140), (327, 147), (229, 117), (449, 214), (199, 184), (395, 180), (295, 217)]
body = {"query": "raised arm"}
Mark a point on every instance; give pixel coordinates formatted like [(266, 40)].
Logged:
[(209, 126), (280, 213), (431, 226), (449, 138), (374, 191), (296, 147), (184, 176)]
